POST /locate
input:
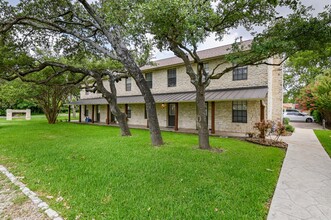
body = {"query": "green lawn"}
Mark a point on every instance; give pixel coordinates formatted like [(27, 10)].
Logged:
[(102, 175), (324, 136)]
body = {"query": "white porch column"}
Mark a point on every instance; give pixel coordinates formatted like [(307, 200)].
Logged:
[(28, 114), (9, 114)]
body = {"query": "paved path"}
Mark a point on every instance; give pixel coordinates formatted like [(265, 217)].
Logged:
[(304, 187)]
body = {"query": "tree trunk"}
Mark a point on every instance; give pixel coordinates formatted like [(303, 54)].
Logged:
[(153, 122), (121, 118), (73, 110), (202, 118), (112, 101), (129, 63), (125, 57)]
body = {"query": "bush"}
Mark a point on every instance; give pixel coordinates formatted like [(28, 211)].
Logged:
[(280, 130), (317, 116), (289, 128), (286, 121), (263, 127)]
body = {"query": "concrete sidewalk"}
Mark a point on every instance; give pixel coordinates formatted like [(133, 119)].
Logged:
[(304, 187)]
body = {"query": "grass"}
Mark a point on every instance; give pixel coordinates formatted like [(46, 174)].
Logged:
[(102, 175), (324, 136)]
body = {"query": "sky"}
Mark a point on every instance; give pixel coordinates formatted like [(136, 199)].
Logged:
[(210, 42)]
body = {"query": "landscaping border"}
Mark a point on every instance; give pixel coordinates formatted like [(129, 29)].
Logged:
[(33, 196)]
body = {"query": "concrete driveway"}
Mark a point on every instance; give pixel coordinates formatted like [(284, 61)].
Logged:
[(306, 125)]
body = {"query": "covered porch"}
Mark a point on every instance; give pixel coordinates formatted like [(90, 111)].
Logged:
[(176, 111)]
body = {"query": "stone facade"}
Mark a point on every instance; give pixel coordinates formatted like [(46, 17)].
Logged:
[(275, 91), (187, 117), (256, 77)]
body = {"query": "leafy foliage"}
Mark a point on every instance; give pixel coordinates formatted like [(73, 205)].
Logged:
[(302, 68), (280, 130), (15, 95), (289, 128), (317, 96), (263, 127)]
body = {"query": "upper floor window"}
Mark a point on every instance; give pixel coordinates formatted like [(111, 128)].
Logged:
[(171, 77), (149, 79), (206, 67), (128, 84), (239, 111), (240, 73)]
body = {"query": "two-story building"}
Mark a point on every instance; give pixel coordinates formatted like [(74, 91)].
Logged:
[(235, 101)]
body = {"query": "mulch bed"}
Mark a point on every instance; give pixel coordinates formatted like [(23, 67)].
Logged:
[(268, 142)]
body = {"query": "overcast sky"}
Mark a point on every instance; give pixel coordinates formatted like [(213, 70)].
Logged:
[(318, 5)]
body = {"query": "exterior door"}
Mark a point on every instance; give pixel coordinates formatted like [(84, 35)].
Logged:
[(112, 118), (171, 114)]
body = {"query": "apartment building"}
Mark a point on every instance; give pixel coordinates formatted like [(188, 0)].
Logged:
[(234, 102)]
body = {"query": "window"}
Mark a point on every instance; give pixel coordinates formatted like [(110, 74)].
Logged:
[(240, 73), (239, 111), (206, 67), (128, 111), (128, 84), (85, 111), (149, 80), (171, 77)]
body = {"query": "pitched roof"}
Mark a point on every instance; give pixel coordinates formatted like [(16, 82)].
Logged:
[(204, 55)]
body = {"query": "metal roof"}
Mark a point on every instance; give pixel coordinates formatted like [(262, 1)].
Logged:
[(256, 93)]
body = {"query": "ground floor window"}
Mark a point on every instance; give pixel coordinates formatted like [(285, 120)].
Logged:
[(85, 111), (128, 111), (239, 111)]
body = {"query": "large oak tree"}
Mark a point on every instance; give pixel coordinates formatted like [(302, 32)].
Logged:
[(72, 26), (181, 26)]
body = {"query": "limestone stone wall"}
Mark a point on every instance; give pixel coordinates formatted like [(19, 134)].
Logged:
[(223, 115), (257, 76), (275, 91), (187, 118), (90, 95)]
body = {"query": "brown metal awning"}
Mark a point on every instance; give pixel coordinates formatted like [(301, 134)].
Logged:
[(252, 93)]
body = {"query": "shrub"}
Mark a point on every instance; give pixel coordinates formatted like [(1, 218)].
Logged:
[(263, 127), (317, 116), (286, 121), (289, 128), (280, 130)]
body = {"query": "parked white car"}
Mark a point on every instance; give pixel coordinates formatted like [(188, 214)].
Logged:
[(297, 116)]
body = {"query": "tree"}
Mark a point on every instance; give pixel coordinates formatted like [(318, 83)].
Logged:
[(13, 96), (74, 27), (50, 98), (182, 25), (302, 68), (317, 96)]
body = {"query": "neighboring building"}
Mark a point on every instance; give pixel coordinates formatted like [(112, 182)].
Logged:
[(235, 101)]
